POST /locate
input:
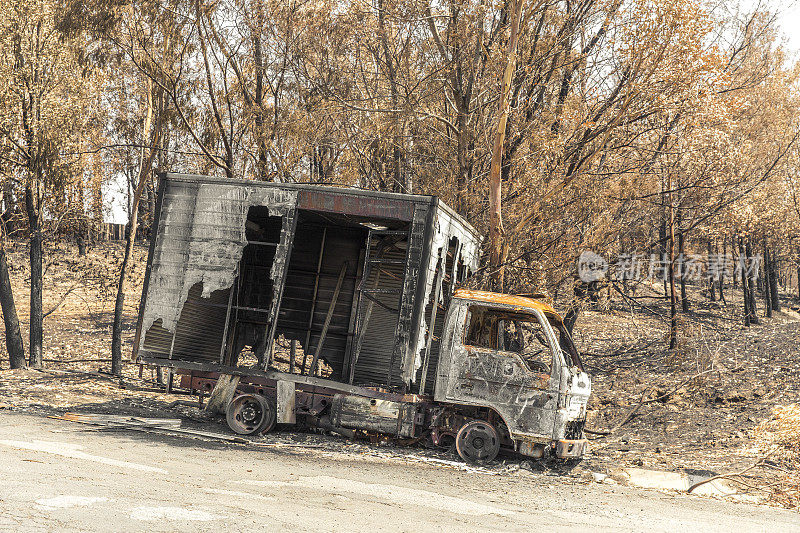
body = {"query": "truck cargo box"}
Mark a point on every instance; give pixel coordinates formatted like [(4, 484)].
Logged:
[(327, 282)]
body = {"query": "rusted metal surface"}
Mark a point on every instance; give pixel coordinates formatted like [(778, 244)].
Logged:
[(346, 202), (570, 448), (372, 414), (504, 299)]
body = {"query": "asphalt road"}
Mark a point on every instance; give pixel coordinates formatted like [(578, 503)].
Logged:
[(58, 476)]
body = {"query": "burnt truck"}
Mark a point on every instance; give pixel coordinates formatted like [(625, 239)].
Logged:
[(340, 308)]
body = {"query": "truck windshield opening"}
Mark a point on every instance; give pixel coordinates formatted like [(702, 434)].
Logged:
[(517, 333)]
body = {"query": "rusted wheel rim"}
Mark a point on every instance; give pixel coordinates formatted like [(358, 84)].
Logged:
[(477, 442), (248, 414)]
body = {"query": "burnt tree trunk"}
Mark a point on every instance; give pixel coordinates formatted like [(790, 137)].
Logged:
[(673, 307), (662, 237), (16, 350), (711, 292), (767, 283), (773, 282), (743, 269), (682, 271), (35, 256), (751, 280), (130, 232), (733, 252), (721, 285)]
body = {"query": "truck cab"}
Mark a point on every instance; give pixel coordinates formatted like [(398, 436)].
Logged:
[(513, 356)]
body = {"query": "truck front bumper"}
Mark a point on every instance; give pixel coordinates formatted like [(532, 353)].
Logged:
[(567, 449)]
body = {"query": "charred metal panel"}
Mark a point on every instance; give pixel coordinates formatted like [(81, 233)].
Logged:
[(446, 227), (359, 205), (199, 242), (280, 267), (435, 310), (408, 299), (198, 248), (371, 414)]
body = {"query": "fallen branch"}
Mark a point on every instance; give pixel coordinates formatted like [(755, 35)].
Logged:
[(61, 301), (758, 463), (76, 360)]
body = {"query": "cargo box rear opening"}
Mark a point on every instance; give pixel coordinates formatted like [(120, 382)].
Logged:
[(320, 296)]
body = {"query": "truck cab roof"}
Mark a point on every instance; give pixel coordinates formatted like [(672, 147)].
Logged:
[(512, 300)]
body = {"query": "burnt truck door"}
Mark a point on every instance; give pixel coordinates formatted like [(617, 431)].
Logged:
[(505, 359)]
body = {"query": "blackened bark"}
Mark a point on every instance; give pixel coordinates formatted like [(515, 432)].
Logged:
[(721, 284), (682, 272), (662, 237), (570, 318), (773, 282), (16, 350), (119, 304), (767, 283), (673, 309), (35, 341), (733, 252), (745, 296), (711, 292), (751, 281)]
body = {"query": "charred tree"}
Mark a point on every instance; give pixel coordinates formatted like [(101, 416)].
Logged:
[(35, 256), (773, 282), (767, 283), (130, 232), (682, 269), (711, 292), (662, 238), (673, 304), (743, 271), (16, 350), (721, 284), (750, 278)]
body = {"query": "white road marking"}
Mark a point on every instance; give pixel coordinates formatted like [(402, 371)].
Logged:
[(240, 494), (73, 451), (66, 501), (393, 493), (172, 513)]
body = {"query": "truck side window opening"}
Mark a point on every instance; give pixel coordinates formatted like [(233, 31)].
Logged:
[(508, 332), (526, 337)]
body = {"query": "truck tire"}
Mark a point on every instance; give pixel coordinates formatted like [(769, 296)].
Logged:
[(477, 442), (251, 414)]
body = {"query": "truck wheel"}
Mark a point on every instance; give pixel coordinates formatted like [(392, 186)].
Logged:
[(250, 414), (477, 442)]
